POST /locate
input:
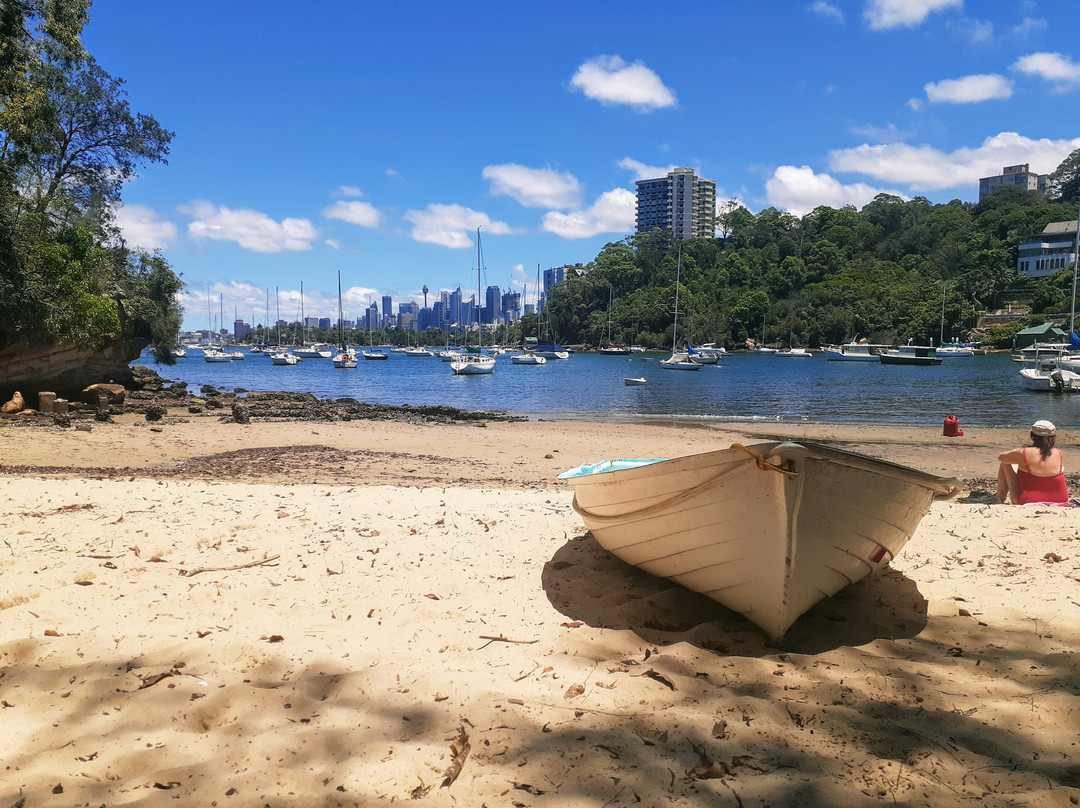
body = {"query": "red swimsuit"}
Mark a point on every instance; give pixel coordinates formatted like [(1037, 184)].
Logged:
[(1033, 488)]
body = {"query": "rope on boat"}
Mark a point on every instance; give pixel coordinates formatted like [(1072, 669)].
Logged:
[(764, 464), (658, 507), (682, 496)]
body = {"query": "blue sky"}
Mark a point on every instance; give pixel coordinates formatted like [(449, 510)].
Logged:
[(374, 138)]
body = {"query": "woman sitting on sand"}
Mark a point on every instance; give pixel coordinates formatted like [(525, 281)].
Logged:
[(1036, 476)]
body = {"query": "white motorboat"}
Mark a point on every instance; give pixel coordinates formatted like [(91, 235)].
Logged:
[(284, 358), (1049, 374), (951, 350), (710, 349), (763, 349), (852, 352), (375, 354), (767, 530), (418, 352), (527, 359), (471, 364), (702, 357), (234, 355), (316, 351), (797, 353), (633, 382)]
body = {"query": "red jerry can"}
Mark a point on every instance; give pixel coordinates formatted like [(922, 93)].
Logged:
[(952, 427)]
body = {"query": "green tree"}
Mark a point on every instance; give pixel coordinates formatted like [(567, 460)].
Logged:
[(1065, 180), (68, 141)]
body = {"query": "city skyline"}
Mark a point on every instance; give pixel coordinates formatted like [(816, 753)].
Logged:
[(374, 140)]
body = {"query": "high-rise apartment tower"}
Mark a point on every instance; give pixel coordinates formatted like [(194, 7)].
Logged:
[(680, 202)]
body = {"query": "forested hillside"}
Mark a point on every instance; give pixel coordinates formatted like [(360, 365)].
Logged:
[(880, 273)]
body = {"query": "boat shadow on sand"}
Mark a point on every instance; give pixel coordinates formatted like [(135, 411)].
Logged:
[(587, 583)]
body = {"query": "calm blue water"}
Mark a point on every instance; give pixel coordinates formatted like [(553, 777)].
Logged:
[(980, 390)]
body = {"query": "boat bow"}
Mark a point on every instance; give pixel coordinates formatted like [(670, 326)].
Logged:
[(767, 530)]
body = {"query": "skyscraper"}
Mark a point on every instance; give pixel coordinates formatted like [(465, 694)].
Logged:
[(492, 304), (680, 202), (387, 310)]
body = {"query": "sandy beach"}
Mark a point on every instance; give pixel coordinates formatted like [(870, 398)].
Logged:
[(203, 613)]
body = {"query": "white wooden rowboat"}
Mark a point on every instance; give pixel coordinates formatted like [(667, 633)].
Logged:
[(766, 530)]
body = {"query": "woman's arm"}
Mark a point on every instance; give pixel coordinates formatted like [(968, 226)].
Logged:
[(1012, 457)]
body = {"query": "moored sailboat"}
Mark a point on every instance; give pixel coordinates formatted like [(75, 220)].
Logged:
[(468, 363), (679, 360)]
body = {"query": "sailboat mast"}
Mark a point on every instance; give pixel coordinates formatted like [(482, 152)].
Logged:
[(479, 325), (675, 327), (340, 325), (941, 336), (1076, 260)]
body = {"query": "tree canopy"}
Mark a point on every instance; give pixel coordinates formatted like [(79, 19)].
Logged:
[(893, 271), (68, 142)]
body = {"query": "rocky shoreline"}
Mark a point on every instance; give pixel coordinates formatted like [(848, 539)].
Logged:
[(159, 400)]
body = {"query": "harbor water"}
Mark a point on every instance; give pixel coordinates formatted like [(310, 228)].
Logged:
[(980, 390)]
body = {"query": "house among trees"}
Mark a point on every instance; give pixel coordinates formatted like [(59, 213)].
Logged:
[(1047, 253), (1047, 332)]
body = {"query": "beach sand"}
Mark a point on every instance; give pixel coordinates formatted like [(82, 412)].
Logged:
[(205, 613)]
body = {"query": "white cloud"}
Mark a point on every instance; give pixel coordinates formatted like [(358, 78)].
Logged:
[(1053, 67), (922, 168), (799, 190), (976, 30), (250, 229), (613, 212), (644, 172), (534, 187), (972, 89), (884, 14), (1030, 25), (610, 80), (348, 190), (142, 229), (451, 225), (827, 10), (362, 213), (890, 133)]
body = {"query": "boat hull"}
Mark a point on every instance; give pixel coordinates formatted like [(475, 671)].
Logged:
[(473, 365), (553, 354), (751, 536), (851, 352), (1050, 380)]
